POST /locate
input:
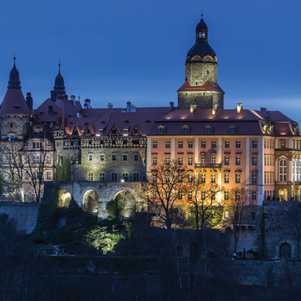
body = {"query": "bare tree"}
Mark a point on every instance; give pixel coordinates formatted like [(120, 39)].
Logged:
[(202, 202), (167, 187), (235, 207), (13, 171), (34, 169)]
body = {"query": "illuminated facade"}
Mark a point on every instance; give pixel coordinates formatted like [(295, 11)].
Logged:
[(259, 150)]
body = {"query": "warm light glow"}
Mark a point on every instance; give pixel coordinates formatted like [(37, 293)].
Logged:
[(122, 181)]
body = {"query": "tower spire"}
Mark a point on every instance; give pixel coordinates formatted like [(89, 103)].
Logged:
[(59, 84)]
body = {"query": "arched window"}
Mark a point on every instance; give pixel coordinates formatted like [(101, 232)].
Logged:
[(285, 251), (282, 170)]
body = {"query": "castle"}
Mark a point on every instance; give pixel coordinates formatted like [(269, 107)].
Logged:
[(113, 150)]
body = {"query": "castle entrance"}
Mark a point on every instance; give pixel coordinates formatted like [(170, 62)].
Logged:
[(64, 198)]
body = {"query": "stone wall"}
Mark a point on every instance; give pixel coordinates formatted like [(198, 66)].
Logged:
[(24, 214)]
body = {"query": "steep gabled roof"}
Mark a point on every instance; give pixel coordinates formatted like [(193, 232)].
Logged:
[(208, 86)]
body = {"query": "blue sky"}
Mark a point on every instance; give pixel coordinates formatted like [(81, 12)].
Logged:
[(119, 51)]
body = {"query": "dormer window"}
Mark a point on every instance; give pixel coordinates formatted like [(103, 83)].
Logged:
[(232, 129), (209, 129), (161, 129), (186, 129)]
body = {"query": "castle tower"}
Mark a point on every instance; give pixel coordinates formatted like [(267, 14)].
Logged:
[(200, 87), (14, 111)]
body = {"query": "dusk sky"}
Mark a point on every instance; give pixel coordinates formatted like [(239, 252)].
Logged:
[(119, 51)]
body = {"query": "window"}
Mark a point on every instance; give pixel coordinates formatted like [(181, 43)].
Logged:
[(154, 177), (226, 214), (180, 161), (209, 130), (167, 160), (186, 130), (33, 145), (114, 176), (254, 143), (237, 178), (237, 196), (203, 178), (254, 198), (213, 144), (114, 157), (227, 160), (38, 145), (155, 160), (48, 175), (102, 157), (102, 177), (282, 170), (213, 194), (180, 177), (227, 144), (254, 160), (125, 176), (226, 195), (213, 178), (155, 144), (38, 159), (203, 194), (189, 194), (34, 159), (237, 160), (190, 160), (136, 157), (167, 144), (180, 194), (48, 160), (226, 178), (154, 193), (90, 176), (180, 144), (11, 125), (26, 175), (190, 144), (232, 130), (213, 159), (190, 178), (282, 144), (124, 157), (237, 144), (254, 178), (161, 130), (203, 159), (27, 159), (203, 144), (90, 157)]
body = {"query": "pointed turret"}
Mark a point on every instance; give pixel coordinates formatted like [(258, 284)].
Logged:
[(14, 101), (59, 85)]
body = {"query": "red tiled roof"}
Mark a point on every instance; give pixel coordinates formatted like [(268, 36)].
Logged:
[(208, 86), (14, 103)]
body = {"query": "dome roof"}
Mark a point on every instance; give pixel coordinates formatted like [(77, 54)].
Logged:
[(202, 49), (201, 46), (59, 84), (14, 78)]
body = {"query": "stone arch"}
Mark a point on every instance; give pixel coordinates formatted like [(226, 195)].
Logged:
[(283, 194), (128, 199), (285, 250), (91, 201), (64, 198)]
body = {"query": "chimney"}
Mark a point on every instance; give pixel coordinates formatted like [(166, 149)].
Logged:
[(171, 106), (263, 109), (29, 100), (128, 106), (110, 105), (87, 104), (239, 108), (73, 100), (193, 108)]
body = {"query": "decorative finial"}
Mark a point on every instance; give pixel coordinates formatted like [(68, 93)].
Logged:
[(202, 15), (14, 59), (59, 66)]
